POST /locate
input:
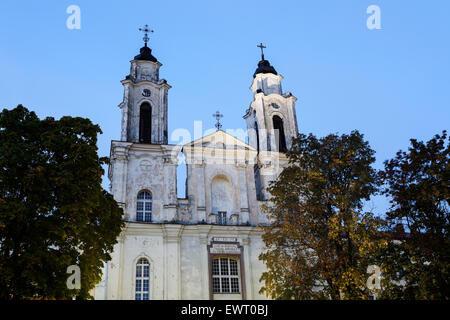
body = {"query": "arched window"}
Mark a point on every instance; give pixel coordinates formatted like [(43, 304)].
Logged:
[(280, 139), (142, 279), (145, 123), (144, 206), (225, 275), (257, 136)]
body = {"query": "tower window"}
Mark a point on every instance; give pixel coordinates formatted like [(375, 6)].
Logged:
[(257, 136), (145, 123), (222, 218), (142, 291), (144, 206), (280, 139), (225, 275), (146, 93)]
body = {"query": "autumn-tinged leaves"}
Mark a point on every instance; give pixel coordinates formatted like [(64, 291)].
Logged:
[(321, 242)]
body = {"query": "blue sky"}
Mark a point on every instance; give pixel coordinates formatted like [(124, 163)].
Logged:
[(391, 84)]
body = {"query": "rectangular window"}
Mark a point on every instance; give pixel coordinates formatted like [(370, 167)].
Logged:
[(225, 276), (144, 207), (222, 217)]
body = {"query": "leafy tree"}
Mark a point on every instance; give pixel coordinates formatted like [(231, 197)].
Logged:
[(320, 242), (53, 210), (417, 265)]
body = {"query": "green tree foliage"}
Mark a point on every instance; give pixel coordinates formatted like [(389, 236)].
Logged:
[(320, 242), (417, 266), (53, 210)]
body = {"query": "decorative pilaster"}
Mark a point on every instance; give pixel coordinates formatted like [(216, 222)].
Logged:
[(248, 268), (203, 231), (172, 261)]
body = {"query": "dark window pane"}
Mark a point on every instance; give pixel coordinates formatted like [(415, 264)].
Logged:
[(145, 287), (234, 285), (225, 285), (138, 271), (138, 285), (224, 267), (233, 268), (216, 285), (215, 267)]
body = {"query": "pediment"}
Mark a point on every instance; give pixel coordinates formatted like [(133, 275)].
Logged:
[(220, 140)]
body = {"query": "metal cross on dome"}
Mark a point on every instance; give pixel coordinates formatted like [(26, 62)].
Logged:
[(218, 116), (262, 52), (146, 30)]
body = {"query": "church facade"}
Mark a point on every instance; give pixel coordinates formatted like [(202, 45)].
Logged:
[(204, 246)]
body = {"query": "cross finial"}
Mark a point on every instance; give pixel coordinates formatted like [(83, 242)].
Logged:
[(146, 30), (218, 116), (262, 52)]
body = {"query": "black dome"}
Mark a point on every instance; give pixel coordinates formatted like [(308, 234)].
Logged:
[(146, 54), (264, 67)]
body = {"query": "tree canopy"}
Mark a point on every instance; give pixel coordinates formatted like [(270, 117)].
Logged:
[(417, 265), (320, 241), (53, 211)]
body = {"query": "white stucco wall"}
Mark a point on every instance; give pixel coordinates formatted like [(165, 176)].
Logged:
[(179, 260)]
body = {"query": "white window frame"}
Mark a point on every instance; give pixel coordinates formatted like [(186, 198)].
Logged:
[(140, 265), (146, 200), (228, 276)]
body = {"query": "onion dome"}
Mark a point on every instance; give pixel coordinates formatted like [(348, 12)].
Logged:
[(145, 54), (264, 67)]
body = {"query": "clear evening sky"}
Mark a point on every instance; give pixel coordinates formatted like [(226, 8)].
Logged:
[(391, 84)]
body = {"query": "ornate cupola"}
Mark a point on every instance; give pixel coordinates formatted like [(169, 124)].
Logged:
[(271, 118), (264, 65), (144, 105), (145, 54)]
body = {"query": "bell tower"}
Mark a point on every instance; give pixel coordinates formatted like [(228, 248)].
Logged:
[(144, 105), (271, 118), (271, 124)]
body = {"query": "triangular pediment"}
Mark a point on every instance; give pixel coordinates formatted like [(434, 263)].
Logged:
[(219, 140)]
